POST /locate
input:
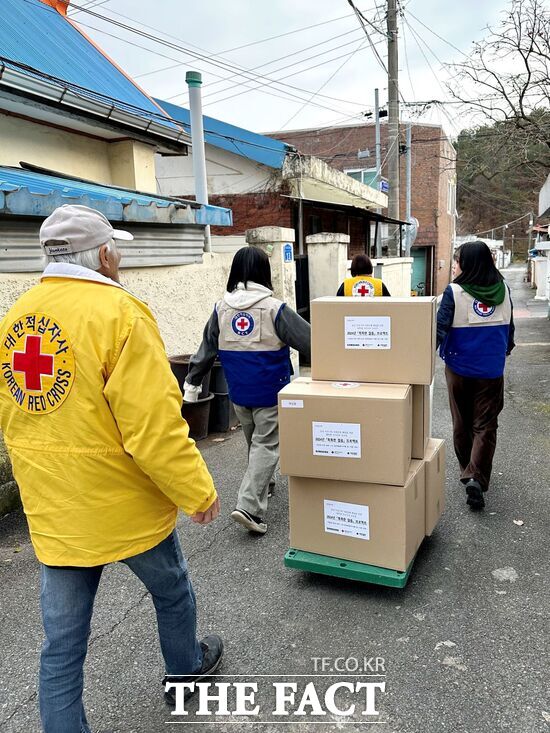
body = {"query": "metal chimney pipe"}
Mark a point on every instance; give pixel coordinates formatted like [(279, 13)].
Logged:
[(194, 82)]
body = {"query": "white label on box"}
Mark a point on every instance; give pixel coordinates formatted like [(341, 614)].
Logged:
[(350, 520), (337, 439), (367, 332), (297, 404)]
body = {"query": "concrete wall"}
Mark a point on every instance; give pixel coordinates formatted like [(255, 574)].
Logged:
[(544, 198), (252, 210), (396, 274), (181, 298), (227, 173), (127, 163)]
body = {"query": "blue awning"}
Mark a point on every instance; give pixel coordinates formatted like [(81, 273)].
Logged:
[(29, 193)]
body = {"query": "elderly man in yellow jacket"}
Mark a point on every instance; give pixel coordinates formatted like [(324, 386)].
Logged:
[(90, 413)]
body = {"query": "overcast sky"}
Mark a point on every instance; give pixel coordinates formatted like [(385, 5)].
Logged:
[(346, 70)]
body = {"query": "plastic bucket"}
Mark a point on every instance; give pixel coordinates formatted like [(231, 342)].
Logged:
[(222, 414), (197, 415), (180, 368)]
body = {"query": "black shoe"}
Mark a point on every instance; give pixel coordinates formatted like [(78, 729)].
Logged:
[(212, 655), (252, 523), (271, 490), (474, 492)]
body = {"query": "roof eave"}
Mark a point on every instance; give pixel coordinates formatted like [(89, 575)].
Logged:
[(65, 97), (311, 178)]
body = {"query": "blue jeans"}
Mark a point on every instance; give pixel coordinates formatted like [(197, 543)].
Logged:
[(67, 598)]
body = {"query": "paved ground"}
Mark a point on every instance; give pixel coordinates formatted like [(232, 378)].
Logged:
[(463, 644)]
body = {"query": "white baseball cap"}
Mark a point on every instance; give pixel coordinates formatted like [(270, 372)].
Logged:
[(73, 228)]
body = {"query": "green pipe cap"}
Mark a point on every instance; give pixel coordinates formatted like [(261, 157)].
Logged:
[(193, 78)]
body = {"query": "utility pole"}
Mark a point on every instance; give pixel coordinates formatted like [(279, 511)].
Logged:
[(393, 126), (409, 181), (378, 178)]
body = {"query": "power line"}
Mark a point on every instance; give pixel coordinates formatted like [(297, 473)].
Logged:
[(286, 56), (301, 71), (441, 38), (245, 45), (226, 66), (331, 77), (407, 61), (420, 40), (362, 20), (287, 97), (90, 4), (194, 54), (251, 76), (507, 224), (260, 87)]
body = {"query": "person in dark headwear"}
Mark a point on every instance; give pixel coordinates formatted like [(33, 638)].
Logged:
[(475, 334), (361, 284)]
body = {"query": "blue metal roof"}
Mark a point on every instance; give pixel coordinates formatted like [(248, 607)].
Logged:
[(38, 36), (27, 193), (236, 140)]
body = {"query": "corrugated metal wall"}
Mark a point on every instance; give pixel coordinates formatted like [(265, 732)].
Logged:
[(153, 246)]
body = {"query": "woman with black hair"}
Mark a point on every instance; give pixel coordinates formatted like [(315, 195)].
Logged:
[(252, 332), (361, 283), (475, 334)]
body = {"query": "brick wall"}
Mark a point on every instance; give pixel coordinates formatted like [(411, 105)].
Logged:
[(254, 210)]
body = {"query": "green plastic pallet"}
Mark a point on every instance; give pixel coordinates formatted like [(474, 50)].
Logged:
[(325, 565)]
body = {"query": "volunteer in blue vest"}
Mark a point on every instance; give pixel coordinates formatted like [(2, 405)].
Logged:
[(361, 284), (91, 416), (475, 334), (252, 332)]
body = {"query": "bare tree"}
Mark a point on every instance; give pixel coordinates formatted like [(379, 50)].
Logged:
[(506, 77)]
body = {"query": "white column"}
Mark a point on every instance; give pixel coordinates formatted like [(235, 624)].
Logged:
[(278, 244), (327, 262)]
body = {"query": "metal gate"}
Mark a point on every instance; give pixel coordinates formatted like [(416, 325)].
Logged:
[(302, 286)]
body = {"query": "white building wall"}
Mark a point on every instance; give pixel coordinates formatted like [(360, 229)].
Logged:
[(227, 173), (181, 298)]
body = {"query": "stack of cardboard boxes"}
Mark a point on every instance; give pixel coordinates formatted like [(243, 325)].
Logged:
[(366, 481)]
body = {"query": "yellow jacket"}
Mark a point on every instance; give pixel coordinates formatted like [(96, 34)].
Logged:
[(91, 417), (363, 285)]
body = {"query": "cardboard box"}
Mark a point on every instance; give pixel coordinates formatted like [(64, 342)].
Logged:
[(422, 419), (346, 431), (435, 482), (375, 524), (373, 339)]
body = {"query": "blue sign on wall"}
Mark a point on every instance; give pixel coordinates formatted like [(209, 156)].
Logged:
[(384, 186), (288, 253)]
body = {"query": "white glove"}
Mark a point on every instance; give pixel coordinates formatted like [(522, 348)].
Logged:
[(190, 392)]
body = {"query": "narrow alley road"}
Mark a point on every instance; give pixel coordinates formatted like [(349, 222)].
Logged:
[(463, 644)]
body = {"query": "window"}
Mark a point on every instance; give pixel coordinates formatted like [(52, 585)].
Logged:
[(363, 175), (451, 197), (314, 224)]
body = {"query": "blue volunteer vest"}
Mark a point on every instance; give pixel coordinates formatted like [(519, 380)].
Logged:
[(255, 360), (477, 341)]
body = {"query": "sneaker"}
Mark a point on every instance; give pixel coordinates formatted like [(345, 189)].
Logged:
[(254, 524), (212, 655), (474, 492)]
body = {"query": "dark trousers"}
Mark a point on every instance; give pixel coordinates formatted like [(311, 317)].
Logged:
[(475, 406)]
